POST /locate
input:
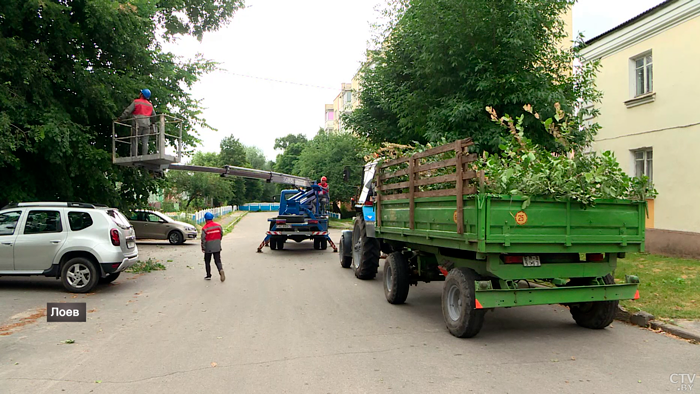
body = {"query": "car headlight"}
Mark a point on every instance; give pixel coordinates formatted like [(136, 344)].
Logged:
[(191, 229)]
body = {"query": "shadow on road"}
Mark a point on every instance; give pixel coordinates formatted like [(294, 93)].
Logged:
[(529, 323), (39, 284)]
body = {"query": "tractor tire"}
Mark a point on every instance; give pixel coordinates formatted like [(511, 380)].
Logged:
[(345, 249), (459, 311), (594, 315), (396, 278), (365, 251)]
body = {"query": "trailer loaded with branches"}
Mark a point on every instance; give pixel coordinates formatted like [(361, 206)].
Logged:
[(431, 215)]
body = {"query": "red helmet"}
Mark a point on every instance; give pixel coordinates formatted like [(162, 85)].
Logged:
[(323, 179)]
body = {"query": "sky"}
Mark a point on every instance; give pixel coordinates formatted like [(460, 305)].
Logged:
[(282, 61)]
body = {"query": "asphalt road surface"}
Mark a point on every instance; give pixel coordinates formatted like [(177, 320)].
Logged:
[(294, 321)]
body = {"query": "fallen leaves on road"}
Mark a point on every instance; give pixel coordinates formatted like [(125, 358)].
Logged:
[(10, 328), (213, 364), (68, 341)]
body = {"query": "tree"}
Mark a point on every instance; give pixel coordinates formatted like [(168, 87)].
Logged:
[(440, 63), (291, 147), (328, 154), (207, 189), (284, 142), (70, 67), (233, 153)]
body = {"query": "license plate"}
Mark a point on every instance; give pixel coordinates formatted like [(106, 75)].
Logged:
[(284, 226), (531, 261), (130, 243)]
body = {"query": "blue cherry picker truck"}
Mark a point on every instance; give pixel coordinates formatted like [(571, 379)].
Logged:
[(486, 248), (302, 214)]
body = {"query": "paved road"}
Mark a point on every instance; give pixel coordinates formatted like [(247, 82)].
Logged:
[(293, 321)]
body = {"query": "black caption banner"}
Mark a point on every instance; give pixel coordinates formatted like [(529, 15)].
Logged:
[(66, 312)]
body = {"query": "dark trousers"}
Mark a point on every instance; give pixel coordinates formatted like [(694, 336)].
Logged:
[(217, 261)]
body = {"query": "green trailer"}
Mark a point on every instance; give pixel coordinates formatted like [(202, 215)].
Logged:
[(427, 220)]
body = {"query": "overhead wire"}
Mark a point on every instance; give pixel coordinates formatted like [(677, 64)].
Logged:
[(281, 81)]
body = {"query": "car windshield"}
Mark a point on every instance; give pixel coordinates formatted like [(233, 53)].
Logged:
[(164, 217)]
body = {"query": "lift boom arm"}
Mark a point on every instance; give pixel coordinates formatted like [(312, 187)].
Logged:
[(228, 171)]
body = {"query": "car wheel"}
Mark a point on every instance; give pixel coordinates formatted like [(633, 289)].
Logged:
[(79, 275), (175, 238)]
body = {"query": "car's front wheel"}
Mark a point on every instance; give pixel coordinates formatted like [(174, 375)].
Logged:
[(79, 275), (175, 238)]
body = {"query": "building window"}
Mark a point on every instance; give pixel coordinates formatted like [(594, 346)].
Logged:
[(348, 98), (330, 115), (643, 75), (644, 163)]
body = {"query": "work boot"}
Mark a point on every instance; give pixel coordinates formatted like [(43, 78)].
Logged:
[(223, 275), (208, 277)]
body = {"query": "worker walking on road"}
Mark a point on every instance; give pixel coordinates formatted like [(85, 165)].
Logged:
[(212, 234), (142, 110)]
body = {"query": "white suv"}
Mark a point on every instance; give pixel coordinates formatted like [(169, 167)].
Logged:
[(82, 244)]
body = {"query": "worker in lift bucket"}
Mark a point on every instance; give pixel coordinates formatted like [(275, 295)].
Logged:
[(212, 234), (325, 198), (142, 110)]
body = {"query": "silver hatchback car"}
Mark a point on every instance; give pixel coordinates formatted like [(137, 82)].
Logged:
[(82, 244)]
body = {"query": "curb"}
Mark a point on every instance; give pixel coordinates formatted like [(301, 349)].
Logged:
[(646, 320)]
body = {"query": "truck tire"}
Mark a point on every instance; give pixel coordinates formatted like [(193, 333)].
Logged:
[(273, 243), (317, 244), (594, 315), (365, 251), (109, 278), (459, 311), (323, 244), (79, 275), (345, 249), (280, 243), (396, 278)]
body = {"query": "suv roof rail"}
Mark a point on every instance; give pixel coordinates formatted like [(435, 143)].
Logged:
[(53, 204)]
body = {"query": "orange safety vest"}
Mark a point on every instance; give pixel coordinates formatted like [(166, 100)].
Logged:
[(142, 107)]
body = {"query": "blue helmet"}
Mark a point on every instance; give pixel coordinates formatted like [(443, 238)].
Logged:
[(208, 216), (146, 93)]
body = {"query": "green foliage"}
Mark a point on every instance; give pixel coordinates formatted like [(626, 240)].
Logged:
[(146, 266), (328, 154), (204, 190), (526, 169), (68, 68), (438, 63)]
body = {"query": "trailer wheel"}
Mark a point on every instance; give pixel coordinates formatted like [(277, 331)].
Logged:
[(595, 315), (345, 249), (396, 278), (365, 251), (459, 311)]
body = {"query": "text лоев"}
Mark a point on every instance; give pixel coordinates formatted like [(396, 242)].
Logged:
[(66, 312)]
